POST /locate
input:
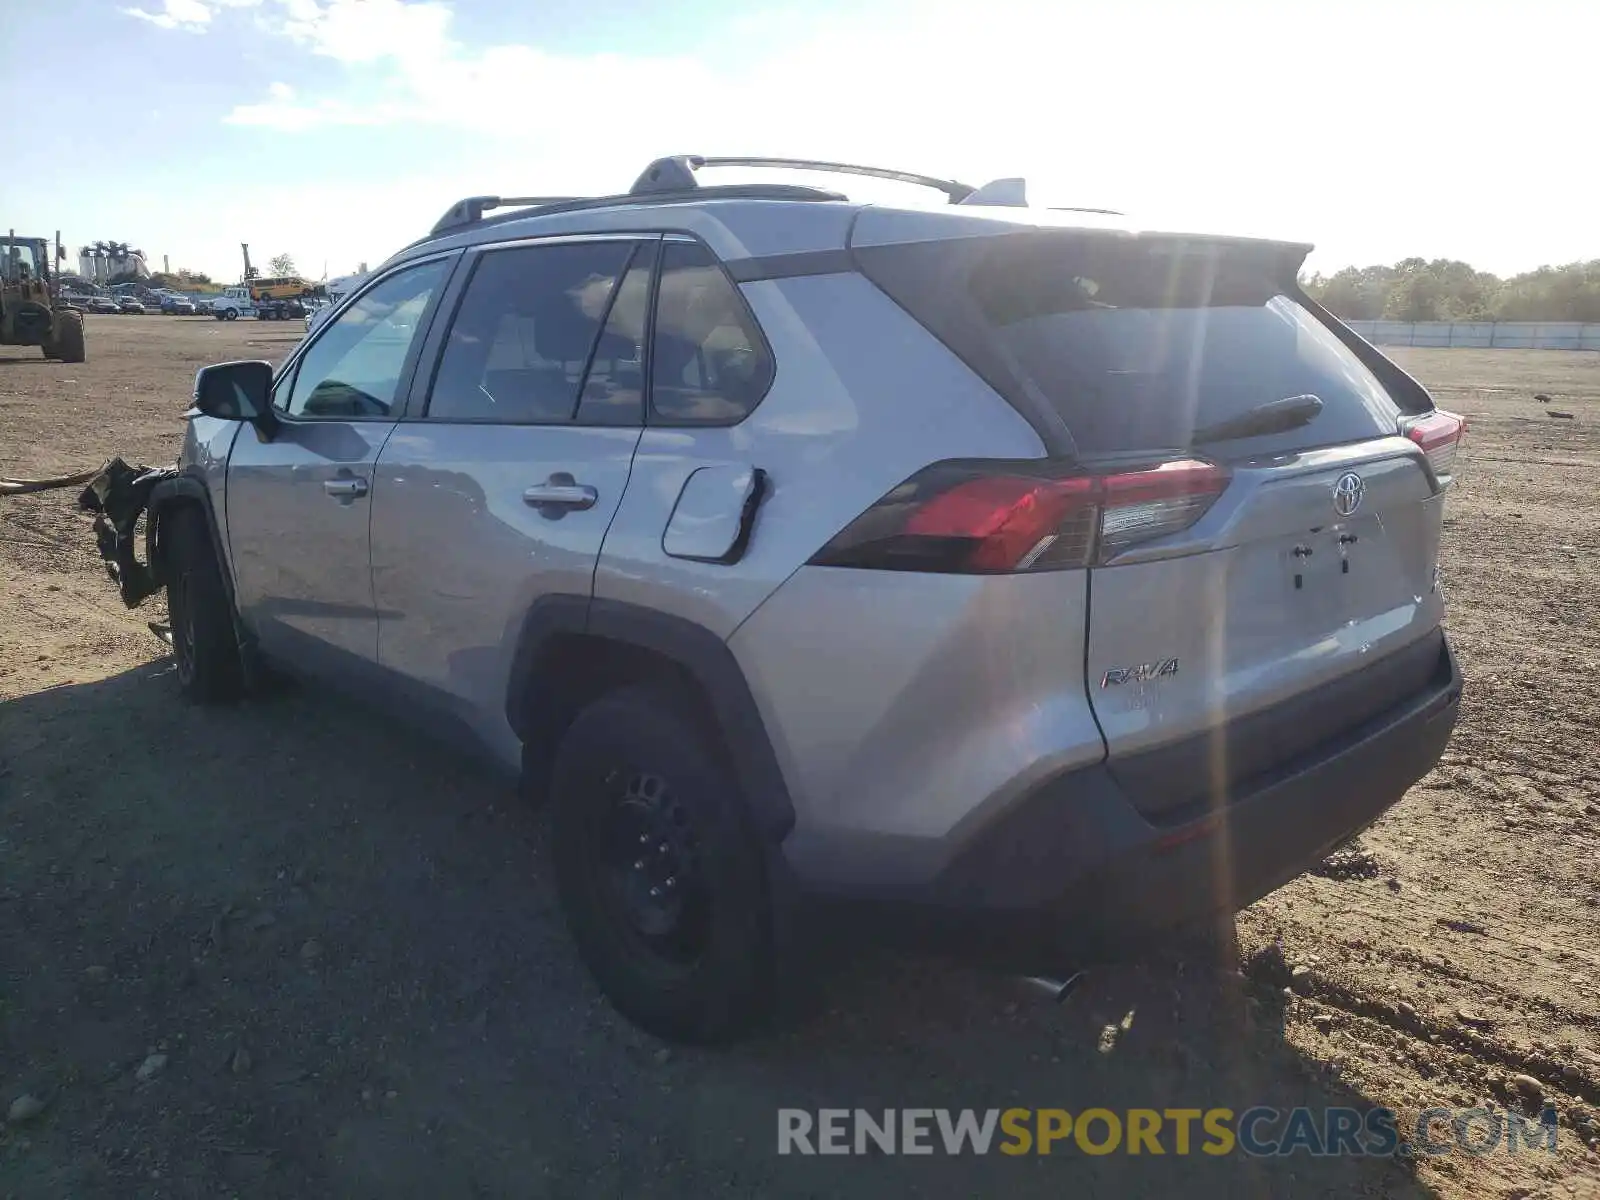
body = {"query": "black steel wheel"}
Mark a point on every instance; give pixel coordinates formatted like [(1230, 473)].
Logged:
[(663, 882)]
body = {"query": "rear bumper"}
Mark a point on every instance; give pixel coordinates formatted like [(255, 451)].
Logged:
[(1074, 868)]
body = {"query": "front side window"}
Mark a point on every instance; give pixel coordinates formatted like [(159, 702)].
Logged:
[(354, 368), (526, 333), (710, 364)]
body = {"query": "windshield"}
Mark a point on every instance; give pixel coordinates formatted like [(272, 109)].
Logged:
[(19, 260)]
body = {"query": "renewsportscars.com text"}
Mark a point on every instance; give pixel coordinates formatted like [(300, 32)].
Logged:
[(1259, 1131)]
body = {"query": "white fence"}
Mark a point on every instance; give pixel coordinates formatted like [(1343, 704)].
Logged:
[(1509, 335)]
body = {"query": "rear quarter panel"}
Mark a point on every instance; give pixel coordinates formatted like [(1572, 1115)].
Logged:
[(908, 710), (862, 398)]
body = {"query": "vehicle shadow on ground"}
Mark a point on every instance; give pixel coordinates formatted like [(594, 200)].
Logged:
[(370, 921)]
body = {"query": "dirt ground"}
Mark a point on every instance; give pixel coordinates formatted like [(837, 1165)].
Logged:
[(344, 941)]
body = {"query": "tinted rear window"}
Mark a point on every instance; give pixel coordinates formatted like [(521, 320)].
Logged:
[(1136, 345)]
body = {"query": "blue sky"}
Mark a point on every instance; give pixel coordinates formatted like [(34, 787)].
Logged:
[(337, 130)]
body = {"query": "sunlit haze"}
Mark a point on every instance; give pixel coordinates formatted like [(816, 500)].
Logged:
[(338, 130)]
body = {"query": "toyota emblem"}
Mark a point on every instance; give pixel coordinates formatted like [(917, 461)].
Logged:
[(1347, 493)]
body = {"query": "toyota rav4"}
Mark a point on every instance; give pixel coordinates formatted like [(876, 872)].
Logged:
[(1003, 565)]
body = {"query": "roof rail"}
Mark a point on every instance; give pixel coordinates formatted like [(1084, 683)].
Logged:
[(677, 173), (470, 210)]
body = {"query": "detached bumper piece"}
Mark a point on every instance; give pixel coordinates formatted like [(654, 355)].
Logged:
[(118, 496)]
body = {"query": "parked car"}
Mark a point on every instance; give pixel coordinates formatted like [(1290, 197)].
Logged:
[(1054, 583), (75, 303), (180, 306), (131, 306), (104, 304)]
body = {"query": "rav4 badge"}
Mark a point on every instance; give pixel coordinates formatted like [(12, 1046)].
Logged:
[(1141, 673)]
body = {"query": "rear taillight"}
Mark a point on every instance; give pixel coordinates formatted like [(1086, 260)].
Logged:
[(973, 519), (1439, 435)]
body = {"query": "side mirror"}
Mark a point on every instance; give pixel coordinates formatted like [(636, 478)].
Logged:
[(237, 391)]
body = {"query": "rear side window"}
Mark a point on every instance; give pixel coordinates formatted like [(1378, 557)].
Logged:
[(1137, 345), (524, 333), (710, 365)]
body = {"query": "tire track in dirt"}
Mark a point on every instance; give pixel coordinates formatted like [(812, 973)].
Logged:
[(1579, 1077)]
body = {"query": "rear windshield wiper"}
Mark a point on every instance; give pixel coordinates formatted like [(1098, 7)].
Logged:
[(1275, 416)]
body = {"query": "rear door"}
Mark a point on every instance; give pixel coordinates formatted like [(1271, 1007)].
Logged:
[(502, 491), (1287, 592)]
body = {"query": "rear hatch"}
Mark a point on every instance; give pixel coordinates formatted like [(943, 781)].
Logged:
[(1264, 499)]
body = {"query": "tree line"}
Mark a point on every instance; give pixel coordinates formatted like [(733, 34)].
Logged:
[(1415, 289)]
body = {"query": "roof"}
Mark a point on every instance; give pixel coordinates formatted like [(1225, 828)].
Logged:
[(738, 220)]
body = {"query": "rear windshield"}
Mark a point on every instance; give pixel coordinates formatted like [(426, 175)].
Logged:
[(1136, 345)]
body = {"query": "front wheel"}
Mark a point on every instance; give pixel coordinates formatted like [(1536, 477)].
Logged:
[(231, 314), (68, 346), (205, 645), (663, 881)]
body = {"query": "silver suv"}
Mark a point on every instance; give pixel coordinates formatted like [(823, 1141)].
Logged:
[(986, 563)]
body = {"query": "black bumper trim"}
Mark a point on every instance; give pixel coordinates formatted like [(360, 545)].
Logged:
[(1174, 784)]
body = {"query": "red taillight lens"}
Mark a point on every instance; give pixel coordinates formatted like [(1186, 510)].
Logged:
[(1439, 434), (1005, 521), (969, 519)]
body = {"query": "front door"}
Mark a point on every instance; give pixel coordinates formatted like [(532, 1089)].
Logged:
[(299, 505)]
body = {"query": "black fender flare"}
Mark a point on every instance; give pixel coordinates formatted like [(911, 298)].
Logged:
[(183, 489), (701, 654)]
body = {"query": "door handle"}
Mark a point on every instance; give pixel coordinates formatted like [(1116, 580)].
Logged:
[(345, 489), (577, 496)]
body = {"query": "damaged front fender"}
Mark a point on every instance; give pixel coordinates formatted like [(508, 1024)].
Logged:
[(118, 496)]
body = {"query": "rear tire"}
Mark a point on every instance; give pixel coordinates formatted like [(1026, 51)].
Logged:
[(205, 644), (661, 877)]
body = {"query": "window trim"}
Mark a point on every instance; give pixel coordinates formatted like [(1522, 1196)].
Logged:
[(652, 247), (291, 368), (655, 420), (473, 255)]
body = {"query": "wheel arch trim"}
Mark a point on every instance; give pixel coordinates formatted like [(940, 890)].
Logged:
[(701, 654), (167, 495)]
